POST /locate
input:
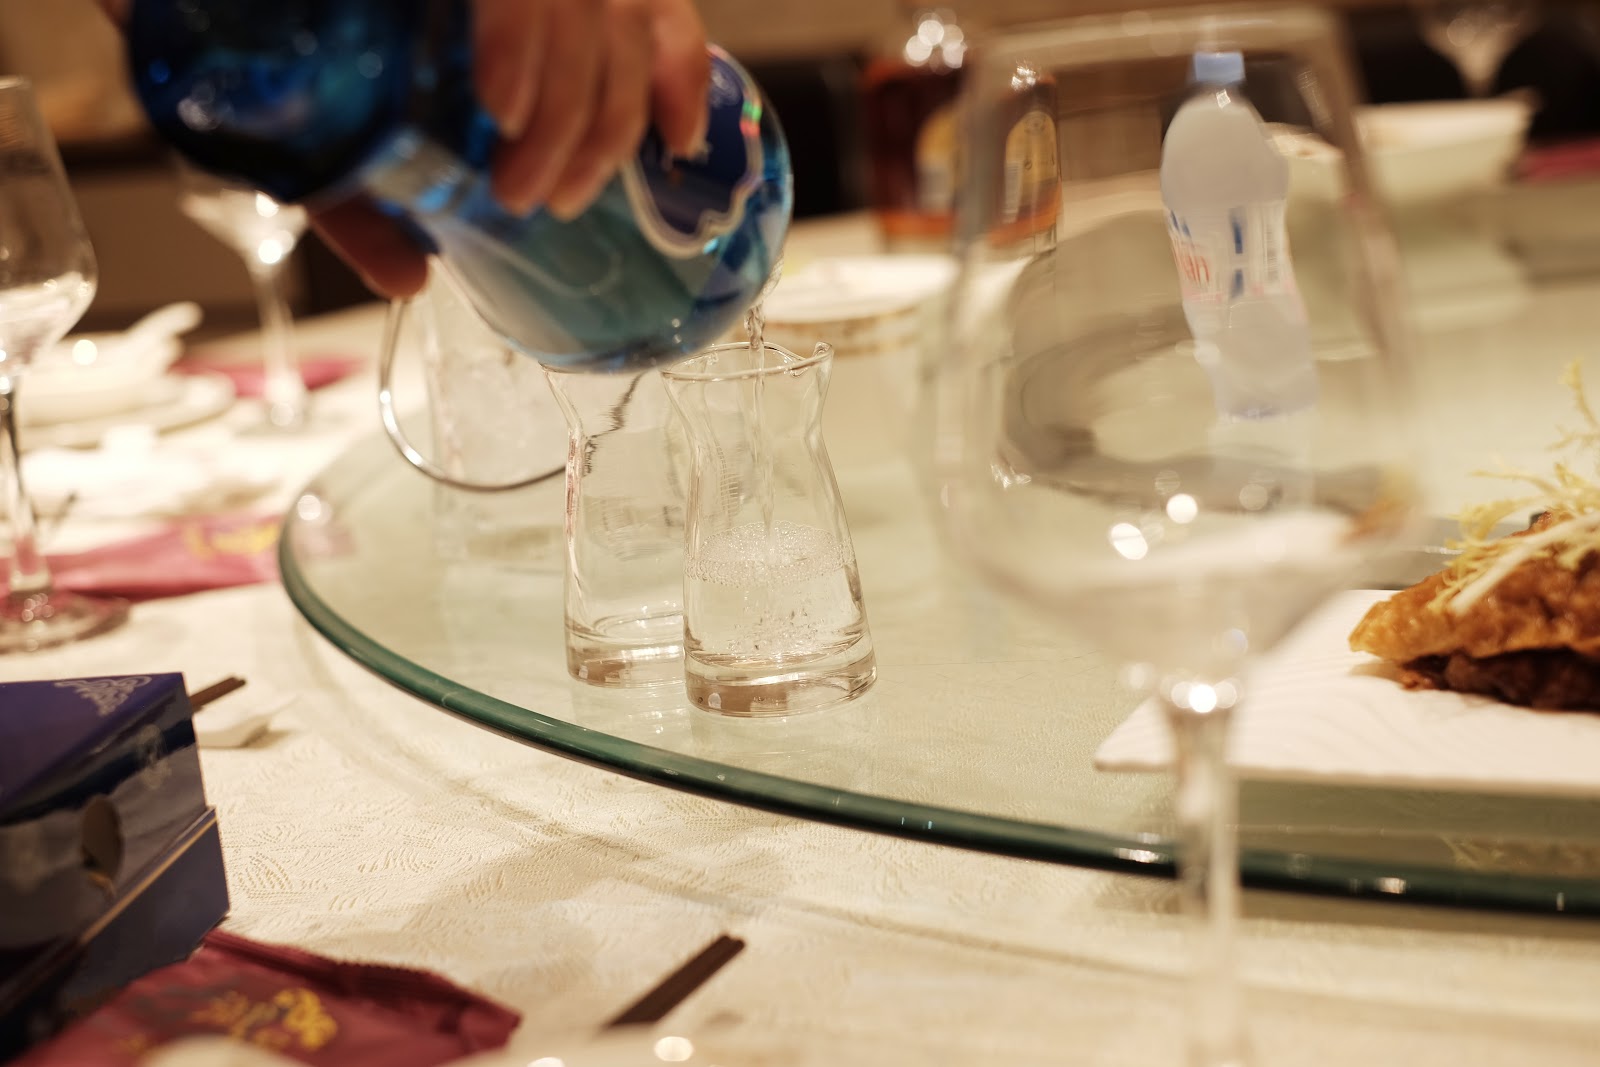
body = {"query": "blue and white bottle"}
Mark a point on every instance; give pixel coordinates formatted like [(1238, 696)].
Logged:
[(1226, 188), (319, 100)]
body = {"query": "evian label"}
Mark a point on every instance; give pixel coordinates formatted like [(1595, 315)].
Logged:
[(1225, 256), (681, 204)]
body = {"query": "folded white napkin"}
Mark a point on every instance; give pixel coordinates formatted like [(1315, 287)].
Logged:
[(135, 474)]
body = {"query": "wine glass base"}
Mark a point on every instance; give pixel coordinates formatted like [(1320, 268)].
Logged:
[(43, 620)]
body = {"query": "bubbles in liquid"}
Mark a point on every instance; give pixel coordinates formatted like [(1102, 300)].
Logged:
[(735, 557), (742, 604)]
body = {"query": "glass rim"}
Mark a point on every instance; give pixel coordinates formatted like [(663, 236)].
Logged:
[(682, 372), (1112, 38), (16, 81)]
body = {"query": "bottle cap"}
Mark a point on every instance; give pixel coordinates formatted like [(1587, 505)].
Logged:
[(1217, 68)]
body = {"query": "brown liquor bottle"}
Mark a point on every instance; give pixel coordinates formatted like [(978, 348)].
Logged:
[(908, 101), (1030, 184)]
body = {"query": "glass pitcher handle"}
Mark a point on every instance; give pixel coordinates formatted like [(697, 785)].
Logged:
[(397, 436)]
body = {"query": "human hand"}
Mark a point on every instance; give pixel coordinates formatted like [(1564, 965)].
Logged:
[(572, 84)]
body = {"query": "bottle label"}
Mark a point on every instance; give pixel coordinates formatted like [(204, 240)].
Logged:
[(1032, 170), (935, 162), (1226, 256), (680, 204)]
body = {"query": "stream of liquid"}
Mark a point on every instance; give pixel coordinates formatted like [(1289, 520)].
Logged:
[(763, 486)]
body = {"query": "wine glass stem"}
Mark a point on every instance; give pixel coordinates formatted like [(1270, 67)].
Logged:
[(1479, 67), (283, 388), (30, 576), (1208, 879)]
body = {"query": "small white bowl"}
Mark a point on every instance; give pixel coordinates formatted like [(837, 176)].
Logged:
[(881, 314), (1418, 152), (862, 305)]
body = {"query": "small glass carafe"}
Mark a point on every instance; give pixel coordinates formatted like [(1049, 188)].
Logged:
[(624, 527), (773, 617)]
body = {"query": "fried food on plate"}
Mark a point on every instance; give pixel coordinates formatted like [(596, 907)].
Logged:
[(1516, 618)]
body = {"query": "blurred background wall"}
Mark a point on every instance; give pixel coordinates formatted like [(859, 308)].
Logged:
[(808, 54)]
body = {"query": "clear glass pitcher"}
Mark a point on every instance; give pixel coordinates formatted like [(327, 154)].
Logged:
[(773, 616), (498, 438), (627, 476)]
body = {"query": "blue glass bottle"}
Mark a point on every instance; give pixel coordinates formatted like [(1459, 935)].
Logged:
[(320, 100)]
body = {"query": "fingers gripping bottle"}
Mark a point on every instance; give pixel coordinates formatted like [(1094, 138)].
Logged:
[(1225, 188), (324, 100)]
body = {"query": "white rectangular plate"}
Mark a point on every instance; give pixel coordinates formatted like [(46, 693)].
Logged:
[(1316, 711)]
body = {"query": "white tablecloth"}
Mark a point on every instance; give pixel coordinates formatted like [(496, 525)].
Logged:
[(371, 826)]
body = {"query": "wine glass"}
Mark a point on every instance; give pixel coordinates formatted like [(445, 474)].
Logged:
[(263, 232), (1136, 426), (1475, 35), (47, 278)]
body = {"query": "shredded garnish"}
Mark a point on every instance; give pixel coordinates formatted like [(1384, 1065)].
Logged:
[(1569, 498)]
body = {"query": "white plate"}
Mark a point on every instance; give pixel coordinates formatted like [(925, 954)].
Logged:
[(1314, 710), (59, 390), (93, 375), (881, 314), (176, 400)]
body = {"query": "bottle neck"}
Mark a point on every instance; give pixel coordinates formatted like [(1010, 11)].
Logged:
[(418, 174)]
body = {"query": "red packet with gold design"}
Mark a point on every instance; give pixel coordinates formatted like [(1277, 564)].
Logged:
[(188, 556), (250, 379), (301, 1006)]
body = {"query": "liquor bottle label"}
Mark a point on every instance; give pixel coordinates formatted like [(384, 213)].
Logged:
[(1032, 170), (935, 162), (681, 204)]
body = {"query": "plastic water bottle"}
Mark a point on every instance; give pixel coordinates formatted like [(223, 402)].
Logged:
[(317, 101), (1225, 189)]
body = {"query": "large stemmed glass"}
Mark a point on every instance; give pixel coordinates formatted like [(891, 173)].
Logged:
[(263, 232), (47, 278), (1093, 453), (1475, 35)]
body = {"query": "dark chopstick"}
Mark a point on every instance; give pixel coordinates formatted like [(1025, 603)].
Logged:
[(215, 691), (675, 988)]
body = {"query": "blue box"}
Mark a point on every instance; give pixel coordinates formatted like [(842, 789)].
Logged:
[(110, 863)]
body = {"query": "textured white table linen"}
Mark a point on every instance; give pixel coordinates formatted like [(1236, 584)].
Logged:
[(371, 826), (368, 825)]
